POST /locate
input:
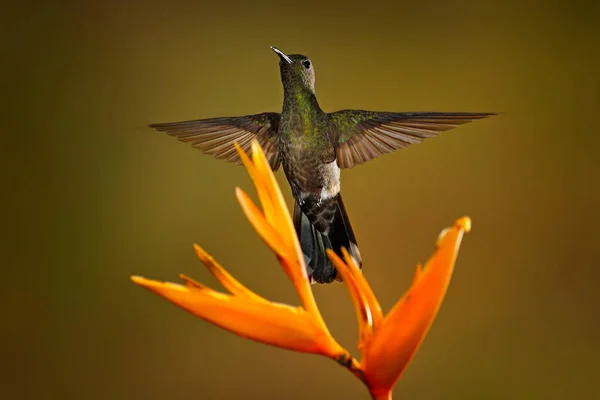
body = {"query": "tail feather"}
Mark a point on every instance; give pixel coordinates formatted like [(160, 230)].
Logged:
[(313, 242)]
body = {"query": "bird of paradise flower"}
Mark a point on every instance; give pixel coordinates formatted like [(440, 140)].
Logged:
[(386, 343)]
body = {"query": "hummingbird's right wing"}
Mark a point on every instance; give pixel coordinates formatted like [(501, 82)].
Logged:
[(216, 136), (364, 135)]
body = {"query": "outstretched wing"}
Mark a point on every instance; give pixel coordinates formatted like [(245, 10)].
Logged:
[(364, 135), (216, 136)]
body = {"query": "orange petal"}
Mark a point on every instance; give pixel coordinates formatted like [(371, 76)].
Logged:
[(225, 278), (278, 216), (364, 288), (405, 326), (266, 231), (269, 188), (260, 185), (192, 283), (282, 218), (271, 323), (361, 305)]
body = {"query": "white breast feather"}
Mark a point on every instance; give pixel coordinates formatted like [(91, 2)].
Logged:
[(331, 180)]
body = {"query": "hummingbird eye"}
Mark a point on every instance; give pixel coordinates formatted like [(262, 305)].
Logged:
[(306, 64)]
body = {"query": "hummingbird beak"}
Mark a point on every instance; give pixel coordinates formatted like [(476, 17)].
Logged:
[(281, 55)]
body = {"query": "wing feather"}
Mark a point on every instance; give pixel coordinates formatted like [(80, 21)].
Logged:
[(365, 135), (216, 136)]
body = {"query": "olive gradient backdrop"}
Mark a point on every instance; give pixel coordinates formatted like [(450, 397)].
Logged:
[(91, 196)]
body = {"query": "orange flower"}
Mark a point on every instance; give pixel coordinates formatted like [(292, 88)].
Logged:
[(386, 344)]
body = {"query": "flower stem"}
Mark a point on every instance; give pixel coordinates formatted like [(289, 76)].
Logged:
[(351, 364), (382, 396)]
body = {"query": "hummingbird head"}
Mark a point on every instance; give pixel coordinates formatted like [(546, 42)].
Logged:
[(296, 70)]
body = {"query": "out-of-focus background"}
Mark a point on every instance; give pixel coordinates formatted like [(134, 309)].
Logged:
[(91, 196)]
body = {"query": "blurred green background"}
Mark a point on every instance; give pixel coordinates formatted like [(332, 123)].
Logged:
[(91, 195)]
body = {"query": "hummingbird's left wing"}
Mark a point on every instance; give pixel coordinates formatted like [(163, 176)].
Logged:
[(364, 135), (216, 136)]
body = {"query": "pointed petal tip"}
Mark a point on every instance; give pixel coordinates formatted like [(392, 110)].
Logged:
[(202, 255), (256, 151), (246, 162), (191, 282), (152, 284), (463, 223)]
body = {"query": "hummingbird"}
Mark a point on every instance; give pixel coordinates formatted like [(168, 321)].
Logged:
[(313, 146)]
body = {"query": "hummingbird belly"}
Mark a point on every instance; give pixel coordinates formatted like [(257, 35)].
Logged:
[(311, 172), (330, 174), (315, 183)]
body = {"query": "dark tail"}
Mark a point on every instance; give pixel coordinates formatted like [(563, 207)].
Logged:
[(314, 243)]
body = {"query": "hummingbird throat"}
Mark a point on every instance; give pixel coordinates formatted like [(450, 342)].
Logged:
[(299, 97)]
